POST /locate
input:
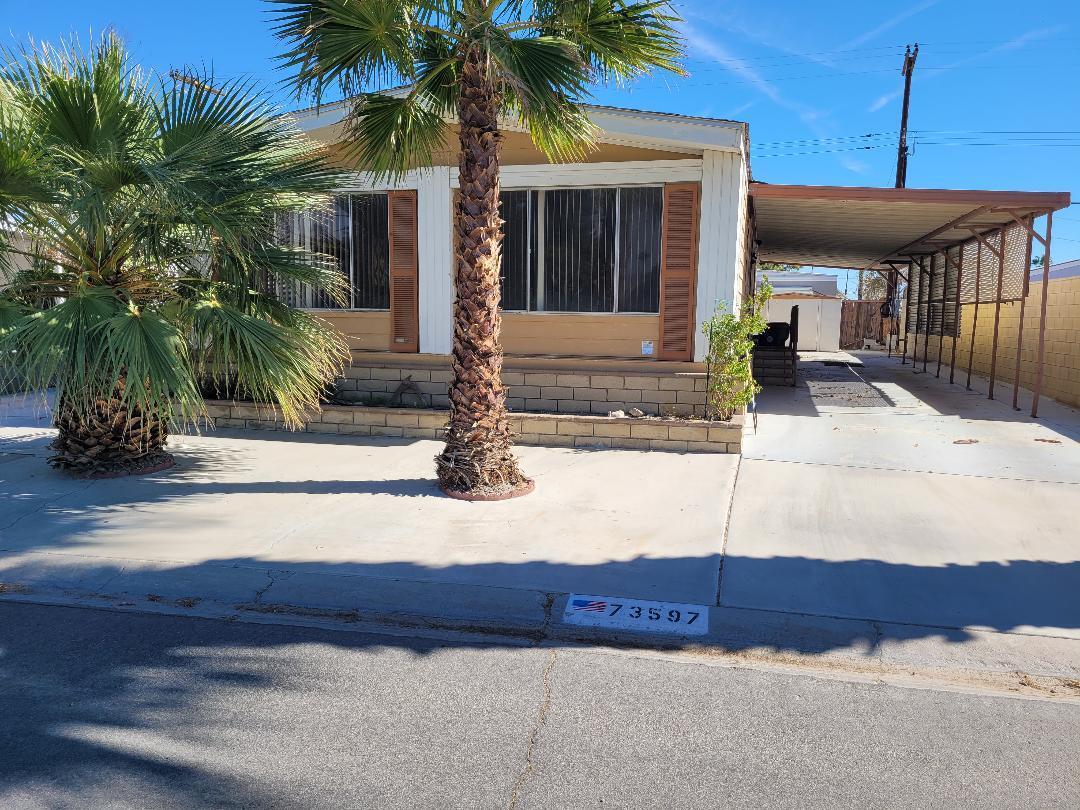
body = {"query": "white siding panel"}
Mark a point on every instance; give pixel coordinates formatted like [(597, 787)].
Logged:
[(742, 264), (436, 260), (723, 212)]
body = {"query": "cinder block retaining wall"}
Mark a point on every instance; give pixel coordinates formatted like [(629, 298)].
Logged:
[(553, 390), (547, 430)]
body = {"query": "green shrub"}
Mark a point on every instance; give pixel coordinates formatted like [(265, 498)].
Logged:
[(731, 384)]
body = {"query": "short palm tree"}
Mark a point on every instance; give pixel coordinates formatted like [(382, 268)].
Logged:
[(474, 62), (149, 208)]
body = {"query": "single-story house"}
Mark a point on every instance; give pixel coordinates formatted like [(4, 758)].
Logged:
[(609, 265), (819, 307)]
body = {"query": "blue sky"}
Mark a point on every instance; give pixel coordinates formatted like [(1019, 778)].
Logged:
[(995, 100)]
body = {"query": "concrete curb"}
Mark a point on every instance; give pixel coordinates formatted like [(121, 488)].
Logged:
[(500, 615)]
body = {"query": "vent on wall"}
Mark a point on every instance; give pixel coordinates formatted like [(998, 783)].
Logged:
[(678, 270), (404, 265)]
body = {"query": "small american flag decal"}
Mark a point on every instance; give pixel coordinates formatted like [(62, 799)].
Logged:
[(591, 605)]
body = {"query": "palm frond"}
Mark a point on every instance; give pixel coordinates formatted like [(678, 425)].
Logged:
[(390, 134), (12, 313), (561, 130), (270, 362), (57, 346), (150, 354), (619, 40), (540, 78), (345, 43)]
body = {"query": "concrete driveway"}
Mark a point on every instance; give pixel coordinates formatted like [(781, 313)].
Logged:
[(878, 493)]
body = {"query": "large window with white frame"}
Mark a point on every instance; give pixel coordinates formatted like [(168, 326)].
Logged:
[(354, 231), (582, 249)]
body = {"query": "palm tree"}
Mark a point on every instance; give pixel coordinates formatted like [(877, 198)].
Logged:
[(149, 208), (473, 62)]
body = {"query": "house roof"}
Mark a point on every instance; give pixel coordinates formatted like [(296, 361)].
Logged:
[(617, 124), (1069, 269), (866, 228)]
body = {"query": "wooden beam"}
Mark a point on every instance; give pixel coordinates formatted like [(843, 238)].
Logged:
[(1042, 318), (956, 314), (1025, 225), (1042, 200), (948, 226), (997, 312), (1020, 326), (987, 245)]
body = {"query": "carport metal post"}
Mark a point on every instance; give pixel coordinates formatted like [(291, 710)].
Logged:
[(997, 310), (944, 292), (1020, 328), (1042, 314), (956, 312), (929, 313), (975, 315), (907, 312), (918, 305)]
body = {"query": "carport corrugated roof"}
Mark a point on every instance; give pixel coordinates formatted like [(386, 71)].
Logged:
[(862, 228)]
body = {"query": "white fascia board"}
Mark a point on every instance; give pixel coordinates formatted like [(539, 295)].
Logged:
[(325, 116), (639, 128), (618, 173), (627, 127), (412, 179)]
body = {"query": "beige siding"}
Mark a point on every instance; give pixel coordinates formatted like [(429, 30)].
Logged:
[(518, 150), (534, 333), (575, 335), (1061, 375), (366, 331)]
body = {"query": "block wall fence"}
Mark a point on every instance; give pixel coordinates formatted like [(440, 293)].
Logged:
[(1061, 369)]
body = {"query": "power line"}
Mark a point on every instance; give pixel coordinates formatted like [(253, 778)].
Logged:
[(828, 151)]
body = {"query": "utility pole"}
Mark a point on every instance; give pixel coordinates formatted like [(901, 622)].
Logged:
[(902, 150)]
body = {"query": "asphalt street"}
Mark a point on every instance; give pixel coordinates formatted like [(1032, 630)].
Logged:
[(111, 709)]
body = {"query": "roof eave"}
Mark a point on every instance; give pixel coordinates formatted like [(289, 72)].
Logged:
[(618, 124)]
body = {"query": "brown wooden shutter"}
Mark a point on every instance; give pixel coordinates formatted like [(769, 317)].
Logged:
[(404, 281), (678, 270)]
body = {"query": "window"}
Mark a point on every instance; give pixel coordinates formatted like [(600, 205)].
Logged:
[(355, 233), (582, 249)]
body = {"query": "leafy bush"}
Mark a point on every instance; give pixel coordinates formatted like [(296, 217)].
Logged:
[(731, 384)]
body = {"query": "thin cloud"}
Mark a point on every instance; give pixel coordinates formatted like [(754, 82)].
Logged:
[(813, 118), (892, 22), (1014, 44), (853, 165), (718, 53), (884, 100)]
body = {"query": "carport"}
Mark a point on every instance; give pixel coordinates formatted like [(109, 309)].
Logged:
[(937, 248)]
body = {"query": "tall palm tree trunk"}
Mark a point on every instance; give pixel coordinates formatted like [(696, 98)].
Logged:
[(108, 438), (478, 461)]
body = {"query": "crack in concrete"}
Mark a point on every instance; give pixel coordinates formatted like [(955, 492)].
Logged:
[(272, 576), (541, 719), (545, 625), (727, 530), (45, 504)]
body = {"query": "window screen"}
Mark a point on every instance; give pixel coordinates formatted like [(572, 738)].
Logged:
[(582, 250), (579, 251), (640, 217), (355, 233), (370, 251)]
